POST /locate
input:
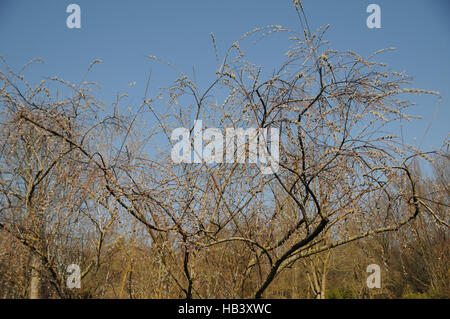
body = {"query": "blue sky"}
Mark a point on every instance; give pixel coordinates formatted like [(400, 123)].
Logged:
[(123, 33)]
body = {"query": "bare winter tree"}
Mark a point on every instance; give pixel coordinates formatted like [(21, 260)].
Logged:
[(213, 229), (46, 188)]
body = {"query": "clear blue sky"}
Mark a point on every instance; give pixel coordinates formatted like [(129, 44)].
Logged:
[(123, 33)]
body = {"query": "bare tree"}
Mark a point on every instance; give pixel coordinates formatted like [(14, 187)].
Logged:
[(214, 229)]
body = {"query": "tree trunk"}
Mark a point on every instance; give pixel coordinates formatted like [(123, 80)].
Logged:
[(35, 281)]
